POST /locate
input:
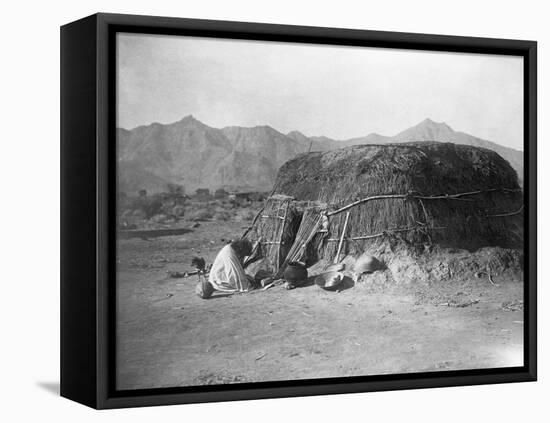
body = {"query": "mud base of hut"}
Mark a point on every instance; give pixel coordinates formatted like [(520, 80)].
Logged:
[(411, 268)]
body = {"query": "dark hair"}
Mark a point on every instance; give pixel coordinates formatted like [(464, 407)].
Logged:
[(242, 247)]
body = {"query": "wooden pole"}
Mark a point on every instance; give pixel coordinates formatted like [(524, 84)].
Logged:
[(421, 197), (337, 258), (507, 214), (281, 236)]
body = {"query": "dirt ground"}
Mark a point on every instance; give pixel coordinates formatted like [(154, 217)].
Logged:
[(168, 337)]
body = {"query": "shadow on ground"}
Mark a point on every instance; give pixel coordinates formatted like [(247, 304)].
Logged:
[(51, 387)]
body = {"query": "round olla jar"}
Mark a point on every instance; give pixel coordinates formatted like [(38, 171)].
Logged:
[(295, 272)]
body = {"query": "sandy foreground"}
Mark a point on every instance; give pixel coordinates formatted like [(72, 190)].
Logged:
[(167, 336)]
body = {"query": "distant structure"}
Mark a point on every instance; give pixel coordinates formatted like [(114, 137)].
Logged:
[(203, 194)]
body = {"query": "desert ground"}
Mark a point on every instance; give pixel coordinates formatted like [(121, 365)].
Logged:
[(167, 336)]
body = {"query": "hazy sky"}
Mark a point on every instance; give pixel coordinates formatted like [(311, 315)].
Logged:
[(340, 92)]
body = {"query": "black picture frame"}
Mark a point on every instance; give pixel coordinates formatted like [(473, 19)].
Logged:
[(88, 200)]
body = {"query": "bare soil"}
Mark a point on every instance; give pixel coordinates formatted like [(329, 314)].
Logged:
[(168, 337)]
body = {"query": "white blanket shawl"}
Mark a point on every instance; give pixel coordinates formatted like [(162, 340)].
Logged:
[(227, 273)]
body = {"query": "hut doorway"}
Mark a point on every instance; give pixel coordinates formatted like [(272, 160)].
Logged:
[(274, 231), (310, 229)]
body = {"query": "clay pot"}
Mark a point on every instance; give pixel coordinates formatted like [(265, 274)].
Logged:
[(295, 272), (366, 264), (204, 290)]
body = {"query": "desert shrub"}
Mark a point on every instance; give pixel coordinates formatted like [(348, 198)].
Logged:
[(138, 214), (152, 207), (170, 203), (159, 218), (213, 204), (175, 190), (200, 214), (246, 215), (222, 215), (178, 210), (228, 204)]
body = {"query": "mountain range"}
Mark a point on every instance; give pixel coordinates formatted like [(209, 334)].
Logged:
[(195, 155)]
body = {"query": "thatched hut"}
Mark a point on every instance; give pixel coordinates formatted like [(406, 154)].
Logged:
[(336, 203)]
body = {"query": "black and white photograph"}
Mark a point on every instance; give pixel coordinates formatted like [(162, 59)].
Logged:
[(292, 211), (270, 212)]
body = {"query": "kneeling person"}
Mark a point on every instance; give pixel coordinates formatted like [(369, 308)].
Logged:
[(227, 272)]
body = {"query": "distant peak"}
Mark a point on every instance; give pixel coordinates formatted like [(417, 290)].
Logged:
[(296, 134), (432, 123), (248, 128), (266, 127), (429, 122), (188, 118)]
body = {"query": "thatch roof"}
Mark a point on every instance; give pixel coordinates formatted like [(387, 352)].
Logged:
[(346, 174), (405, 191)]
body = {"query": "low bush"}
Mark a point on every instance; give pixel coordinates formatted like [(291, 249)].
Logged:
[(222, 215), (197, 215), (246, 215), (178, 211)]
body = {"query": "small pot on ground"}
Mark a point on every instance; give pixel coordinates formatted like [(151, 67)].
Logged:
[(295, 273)]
